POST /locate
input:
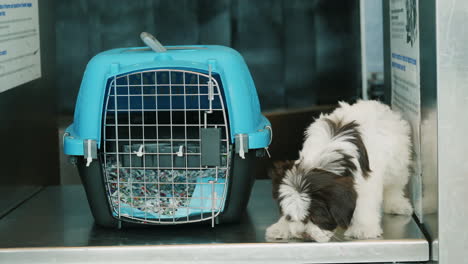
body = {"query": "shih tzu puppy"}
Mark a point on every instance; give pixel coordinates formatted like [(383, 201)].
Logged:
[(354, 161)]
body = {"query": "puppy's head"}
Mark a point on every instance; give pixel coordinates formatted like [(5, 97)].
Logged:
[(316, 197)]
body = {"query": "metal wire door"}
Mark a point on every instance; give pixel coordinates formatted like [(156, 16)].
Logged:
[(166, 151)]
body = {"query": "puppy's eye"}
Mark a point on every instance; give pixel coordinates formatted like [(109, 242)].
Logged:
[(288, 218)]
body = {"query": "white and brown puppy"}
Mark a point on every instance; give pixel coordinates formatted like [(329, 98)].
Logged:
[(352, 161)]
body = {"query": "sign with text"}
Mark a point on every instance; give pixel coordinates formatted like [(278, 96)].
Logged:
[(20, 58), (406, 88)]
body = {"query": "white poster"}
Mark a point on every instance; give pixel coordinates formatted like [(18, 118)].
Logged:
[(406, 88), (20, 60)]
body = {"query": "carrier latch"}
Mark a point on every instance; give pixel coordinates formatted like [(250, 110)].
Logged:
[(210, 146), (242, 144), (271, 140), (90, 150), (210, 87), (180, 153), (141, 151)]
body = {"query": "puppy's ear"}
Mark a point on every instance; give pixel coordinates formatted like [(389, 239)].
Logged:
[(320, 215), (277, 172), (342, 201)]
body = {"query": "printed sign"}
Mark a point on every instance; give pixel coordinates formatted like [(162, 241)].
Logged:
[(406, 88), (20, 58)]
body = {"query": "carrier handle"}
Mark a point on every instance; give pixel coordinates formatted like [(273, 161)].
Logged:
[(152, 42)]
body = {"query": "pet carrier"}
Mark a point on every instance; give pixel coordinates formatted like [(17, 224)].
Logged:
[(167, 137)]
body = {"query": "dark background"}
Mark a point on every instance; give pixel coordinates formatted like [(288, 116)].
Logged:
[(302, 54)]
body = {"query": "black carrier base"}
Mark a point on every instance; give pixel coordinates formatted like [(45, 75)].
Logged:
[(241, 180)]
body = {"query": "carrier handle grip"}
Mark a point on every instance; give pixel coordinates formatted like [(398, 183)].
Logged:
[(152, 42)]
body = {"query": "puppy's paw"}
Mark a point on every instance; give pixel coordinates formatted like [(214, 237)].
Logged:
[(297, 230), (400, 206), (364, 231), (315, 233), (277, 231)]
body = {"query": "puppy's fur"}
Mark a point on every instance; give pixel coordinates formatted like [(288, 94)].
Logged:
[(353, 161)]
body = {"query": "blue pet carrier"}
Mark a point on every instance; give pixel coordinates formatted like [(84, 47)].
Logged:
[(167, 137)]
